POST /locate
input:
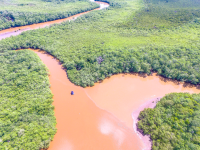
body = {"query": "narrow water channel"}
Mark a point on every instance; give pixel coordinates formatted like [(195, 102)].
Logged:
[(18, 30)]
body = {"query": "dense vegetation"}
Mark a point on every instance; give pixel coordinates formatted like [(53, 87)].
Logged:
[(19, 12), (27, 118), (95, 46), (174, 123), (129, 36), (162, 14)]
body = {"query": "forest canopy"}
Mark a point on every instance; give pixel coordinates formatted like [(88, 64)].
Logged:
[(161, 14), (174, 123), (27, 118)]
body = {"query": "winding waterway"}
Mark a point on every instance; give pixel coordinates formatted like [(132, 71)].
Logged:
[(18, 30), (99, 117)]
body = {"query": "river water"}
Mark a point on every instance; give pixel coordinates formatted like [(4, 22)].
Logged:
[(125, 95), (99, 117), (18, 30), (82, 125)]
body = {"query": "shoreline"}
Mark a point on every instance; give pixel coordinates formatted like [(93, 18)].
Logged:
[(145, 138)]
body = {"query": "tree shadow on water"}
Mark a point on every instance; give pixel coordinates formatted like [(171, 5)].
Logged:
[(176, 82)]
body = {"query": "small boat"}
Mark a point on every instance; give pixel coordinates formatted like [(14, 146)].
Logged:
[(72, 92)]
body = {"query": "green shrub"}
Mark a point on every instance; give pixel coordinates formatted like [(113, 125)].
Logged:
[(27, 118), (174, 123)]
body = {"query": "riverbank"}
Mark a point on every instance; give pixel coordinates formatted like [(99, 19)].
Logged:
[(145, 138), (18, 30), (17, 13)]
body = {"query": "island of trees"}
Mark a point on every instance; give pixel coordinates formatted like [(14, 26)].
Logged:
[(174, 123)]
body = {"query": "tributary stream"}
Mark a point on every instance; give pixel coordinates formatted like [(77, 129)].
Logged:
[(18, 30), (100, 117)]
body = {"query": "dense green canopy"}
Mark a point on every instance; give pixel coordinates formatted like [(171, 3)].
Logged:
[(27, 118), (174, 123), (162, 14)]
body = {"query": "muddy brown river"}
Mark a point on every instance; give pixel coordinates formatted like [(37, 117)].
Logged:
[(82, 125), (18, 30), (100, 117)]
